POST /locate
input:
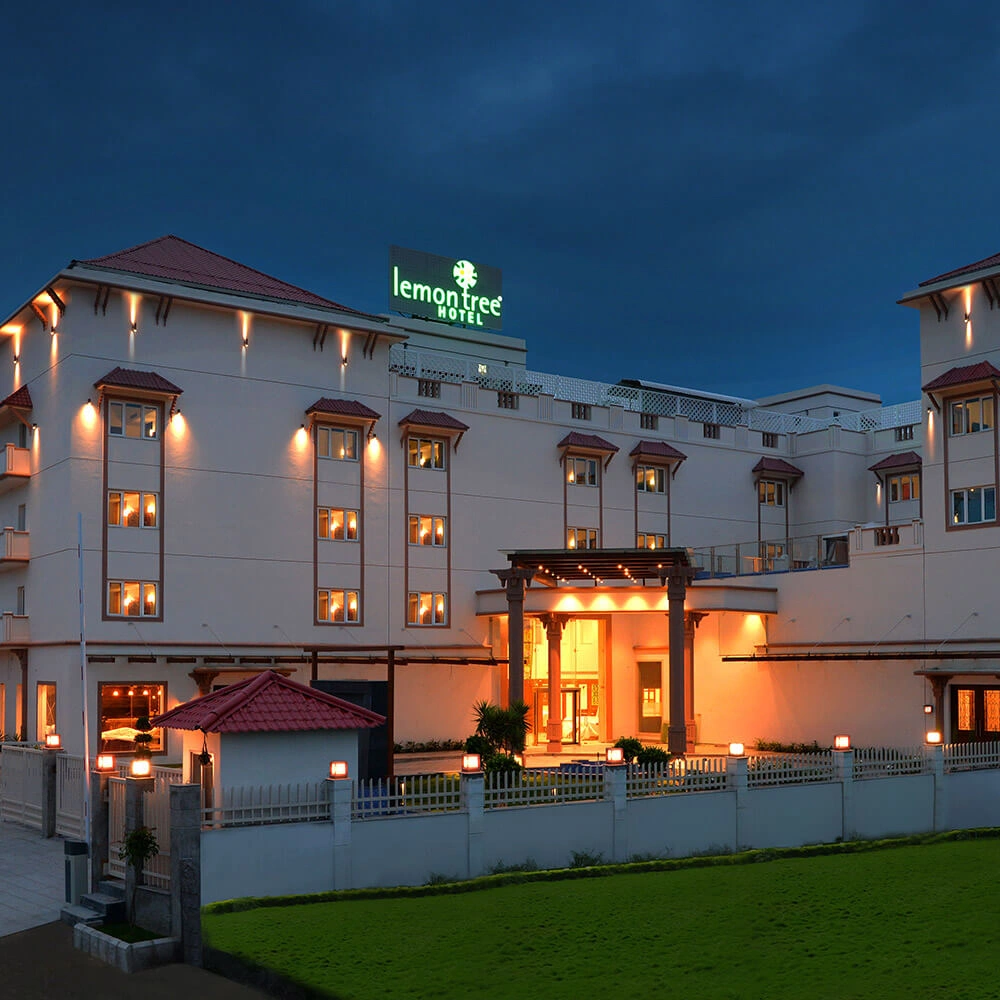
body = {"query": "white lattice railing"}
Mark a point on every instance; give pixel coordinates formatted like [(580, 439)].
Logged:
[(971, 756), (259, 805), (789, 769), (882, 419), (415, 793), (544, 786), (885, 762), (693, 775)]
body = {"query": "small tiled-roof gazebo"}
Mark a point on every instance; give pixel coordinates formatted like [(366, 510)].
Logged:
[(269, 730)]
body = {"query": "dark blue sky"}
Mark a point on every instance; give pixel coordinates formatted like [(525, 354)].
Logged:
[(721, 195)]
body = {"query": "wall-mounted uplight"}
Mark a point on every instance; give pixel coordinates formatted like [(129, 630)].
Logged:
[(933, 737), (842, 743), (736, 750), (928, 709), (104, 762), (338, 769), (133, 327), (343, 361), (17, 359), (246, 341), (471, 763), (53, 741)]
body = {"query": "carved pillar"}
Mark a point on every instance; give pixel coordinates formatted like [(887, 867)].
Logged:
[(554, 625), (692, 619), (938, 685), (676, 580), (514, 581)]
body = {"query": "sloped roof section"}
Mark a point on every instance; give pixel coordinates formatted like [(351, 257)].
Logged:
[(979, 265), (20, 399), (904, 459), (131, 378), (657, 449), (577, 440), (430, 418), (268, 703), (343, 408), (965, 375), (173, 259), (778, 467)]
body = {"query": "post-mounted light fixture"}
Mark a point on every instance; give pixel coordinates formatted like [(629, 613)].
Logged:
[(842, 743), (471, 763), (736, 750), (104, 762), (614, 755), (338, 769), (53, 741), (933, 737)]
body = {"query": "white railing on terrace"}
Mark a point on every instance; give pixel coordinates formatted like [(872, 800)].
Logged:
[(706, 774), (884, 762), (971, 756), (489, 374), (544, 786), (259, 805), (789, 769), (415, 793)]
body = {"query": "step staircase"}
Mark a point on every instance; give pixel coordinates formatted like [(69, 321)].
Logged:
[(106, 905)]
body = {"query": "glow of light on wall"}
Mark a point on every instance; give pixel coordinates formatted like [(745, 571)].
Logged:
[(929, 437), (301, 438), (178, 425), (878, 494), (88, 415), (968, 318), (11, 329), (374, 448)]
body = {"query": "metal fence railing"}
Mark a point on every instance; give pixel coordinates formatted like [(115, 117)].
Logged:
[(415, 793), (693, 775), (971, 756), (883, 762), (260, 805), (545, 786), (789, 769)]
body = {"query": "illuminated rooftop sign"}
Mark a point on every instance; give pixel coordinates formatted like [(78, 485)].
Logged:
[(446, 289)]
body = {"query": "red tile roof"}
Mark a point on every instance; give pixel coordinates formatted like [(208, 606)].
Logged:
[(268, 703), (175, 259), (344, 408), (130, 378), (979, 265), (778, 466), (899, 461), (577, 440), (656, 449), (429, 418), (965, 375), (20, 399)]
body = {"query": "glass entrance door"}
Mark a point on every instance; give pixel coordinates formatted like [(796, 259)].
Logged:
[(975, 714), (651, 697)]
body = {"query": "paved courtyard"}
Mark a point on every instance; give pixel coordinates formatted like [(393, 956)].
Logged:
[(32, 878)]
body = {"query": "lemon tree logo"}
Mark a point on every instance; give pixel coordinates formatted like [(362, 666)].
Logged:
[(465, 274)]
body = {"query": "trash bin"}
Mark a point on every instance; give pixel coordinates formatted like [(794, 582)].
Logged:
[(76, 860)]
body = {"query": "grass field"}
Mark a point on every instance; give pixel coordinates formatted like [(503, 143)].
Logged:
[(913, 922)]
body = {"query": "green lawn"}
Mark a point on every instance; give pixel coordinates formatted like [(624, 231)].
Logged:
[(909, 922)]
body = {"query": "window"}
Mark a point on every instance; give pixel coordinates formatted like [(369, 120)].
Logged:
[(22, 436), (904, 433), (337, 606), (134, 420), (427, 529), (336, 524), (426, 609), (650, 479), (508, 400), (644, 541), (904, 487), (581, 538), (426, 453), (338, 443), (968, 416), (710, 431), (581, 471), (429, 387), (581, 411), (120, 706), (46, 711), (769, 440), (131, 509), (649, 421), (132, 598), (770, 493), (974, 505)]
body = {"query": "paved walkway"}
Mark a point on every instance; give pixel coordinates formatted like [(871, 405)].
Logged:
[(32, 879)]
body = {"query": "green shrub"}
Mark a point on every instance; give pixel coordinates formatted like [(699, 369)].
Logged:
[(584, 859), (775, 746), (498, 763), (480, 745), (506, 729), (502, 869), (630, 746), (652, 755)]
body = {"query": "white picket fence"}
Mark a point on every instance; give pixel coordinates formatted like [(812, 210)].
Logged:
[(789, 769), (544, 786), (70, 780), (884, 762), (971, 756), (21, 785), (259, 805)]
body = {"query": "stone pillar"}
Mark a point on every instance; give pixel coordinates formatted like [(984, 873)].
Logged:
[(341, 793), (676, 580), (615, 778), (135, 789), (934, 755), (738, 781), (48, 791), (554, 625), (692, 619), (938, 685), (843, 771), (473, 802), (514, 581), (185, 869), (99, 835)]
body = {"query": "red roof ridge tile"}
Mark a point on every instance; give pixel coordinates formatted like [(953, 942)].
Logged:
[(777, 465), (433, 418), (576, 439), (897, 461), (343, 407), (658, 448), (978, 265), (963, 375), (20, 399), (134, 378)]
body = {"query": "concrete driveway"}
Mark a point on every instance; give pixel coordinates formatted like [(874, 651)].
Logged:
[(32, 879)]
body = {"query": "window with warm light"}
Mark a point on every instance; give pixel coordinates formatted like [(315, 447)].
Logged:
[(45, 710), (650, 479), (426, 608), (120, 705), (582, 471), (134, 420), (649, 541), (581, 538), (904, 487), (425, 453), (336, 524), (427, 529), (338, 606), (976, 505), (770, 493), (133, 598), (338, 443), (969, 416), (131, 509)]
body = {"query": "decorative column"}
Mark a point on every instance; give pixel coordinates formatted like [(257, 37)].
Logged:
[(514, 581), (692, 619), (938, 684), (554, 625), (676, 579)]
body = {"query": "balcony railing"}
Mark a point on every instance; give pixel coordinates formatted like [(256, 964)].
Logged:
[(886, 539), (15, 466), (14, 549), (781, 556), (489, 374), (15, 628)]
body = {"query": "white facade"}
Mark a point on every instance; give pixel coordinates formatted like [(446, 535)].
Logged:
[(239, 495)]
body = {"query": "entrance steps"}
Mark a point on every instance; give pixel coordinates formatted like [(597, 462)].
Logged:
[(106, 905)]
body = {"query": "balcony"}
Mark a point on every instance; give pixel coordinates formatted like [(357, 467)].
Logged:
[(16, 630), (14, 549), (872, 539), (15, 467)]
